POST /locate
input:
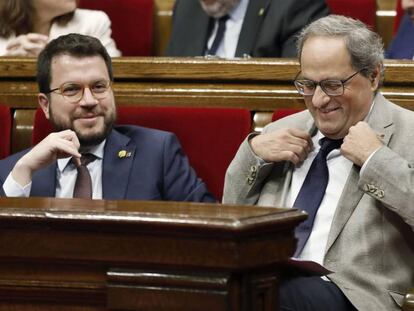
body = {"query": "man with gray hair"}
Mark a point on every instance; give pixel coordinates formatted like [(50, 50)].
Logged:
[(348, 162), (240, 28)]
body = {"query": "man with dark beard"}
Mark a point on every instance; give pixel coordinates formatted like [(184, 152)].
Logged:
[(240, 28), (128, 162)]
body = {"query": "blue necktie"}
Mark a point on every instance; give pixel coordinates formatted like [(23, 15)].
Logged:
[(313, 190), (219, 35)]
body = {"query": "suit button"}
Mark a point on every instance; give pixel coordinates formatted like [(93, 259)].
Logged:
[(253, 168), (380, 193), (250, 180)]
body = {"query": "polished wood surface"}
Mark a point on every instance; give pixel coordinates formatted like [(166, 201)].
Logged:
[(129, 255), (409, 301)]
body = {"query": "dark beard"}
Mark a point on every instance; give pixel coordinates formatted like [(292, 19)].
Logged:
[(96, 139), (86, 140)]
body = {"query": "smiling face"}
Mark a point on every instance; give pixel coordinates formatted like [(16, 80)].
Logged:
[(328, 58), (91, 119)]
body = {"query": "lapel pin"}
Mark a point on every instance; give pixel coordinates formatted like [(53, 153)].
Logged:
[(261, 11), (124, 154)]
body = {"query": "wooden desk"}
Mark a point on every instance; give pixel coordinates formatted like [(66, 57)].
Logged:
[(72, 254)]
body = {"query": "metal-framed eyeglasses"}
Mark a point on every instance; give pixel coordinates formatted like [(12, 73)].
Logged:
[(73, 92), (331, 87)]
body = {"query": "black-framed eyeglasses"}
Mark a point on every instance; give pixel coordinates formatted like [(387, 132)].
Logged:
[(331, 87), (73, 91)]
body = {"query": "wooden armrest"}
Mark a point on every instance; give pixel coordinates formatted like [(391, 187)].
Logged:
[(409, 301)]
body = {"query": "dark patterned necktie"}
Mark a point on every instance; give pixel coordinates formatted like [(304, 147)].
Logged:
[(219, 35), (313, 190), (83, 184)]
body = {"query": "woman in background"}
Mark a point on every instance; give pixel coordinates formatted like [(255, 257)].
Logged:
[(27, 25)]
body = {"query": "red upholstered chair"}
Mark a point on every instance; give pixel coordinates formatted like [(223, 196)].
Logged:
[(5, 131), (364, 10), (209, 136), (41, 127), (398, 16), (283, 112), (131, 23)]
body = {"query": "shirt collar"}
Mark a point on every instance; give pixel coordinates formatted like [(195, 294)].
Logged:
[(239, 11), (97, 151)]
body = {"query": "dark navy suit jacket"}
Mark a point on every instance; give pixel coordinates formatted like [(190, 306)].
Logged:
[(269, 27), (402, 46), (155, 169)]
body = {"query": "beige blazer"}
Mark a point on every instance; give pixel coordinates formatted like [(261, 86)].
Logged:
[(87, 22), (371, 241)]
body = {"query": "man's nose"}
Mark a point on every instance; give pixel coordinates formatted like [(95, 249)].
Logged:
[(320, 98), (88, 98)]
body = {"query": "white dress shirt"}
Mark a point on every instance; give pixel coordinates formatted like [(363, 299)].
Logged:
[(339, 169), (66, 174), (227, 47)]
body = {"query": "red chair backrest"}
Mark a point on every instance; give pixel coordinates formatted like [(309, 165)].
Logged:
[(5, 131), (283, 112), (398, 16), (131, 21), (209, 136), (364, 10)]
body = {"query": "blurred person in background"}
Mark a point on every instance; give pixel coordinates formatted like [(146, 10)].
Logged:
[(27, 25), (240, 28), (402, 46)]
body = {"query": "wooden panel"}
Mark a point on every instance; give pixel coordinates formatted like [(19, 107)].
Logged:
[(162, 25), (138, 255), (409, 301), (150, 290)]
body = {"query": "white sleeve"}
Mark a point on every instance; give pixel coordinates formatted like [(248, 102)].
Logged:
[(13, 189)]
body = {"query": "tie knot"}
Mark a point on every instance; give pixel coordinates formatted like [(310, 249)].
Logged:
[(327, 145), (87, 158), (223, 19)]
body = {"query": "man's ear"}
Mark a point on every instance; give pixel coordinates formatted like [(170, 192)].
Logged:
[(375, 78), (44, 103)]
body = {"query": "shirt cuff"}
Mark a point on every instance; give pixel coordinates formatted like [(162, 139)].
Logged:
[(365, 163), (13, 189)]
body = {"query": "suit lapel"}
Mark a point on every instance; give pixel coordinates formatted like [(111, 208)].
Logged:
[(117, 164), (279, 190), (44, 182), (381, 122), (255, 14), (201, 25)]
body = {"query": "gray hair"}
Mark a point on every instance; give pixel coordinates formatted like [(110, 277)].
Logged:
[(364, 46)]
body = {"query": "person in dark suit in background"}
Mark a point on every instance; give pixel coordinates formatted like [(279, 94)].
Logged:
[(402, 45), (129, 162), (256, 28)]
